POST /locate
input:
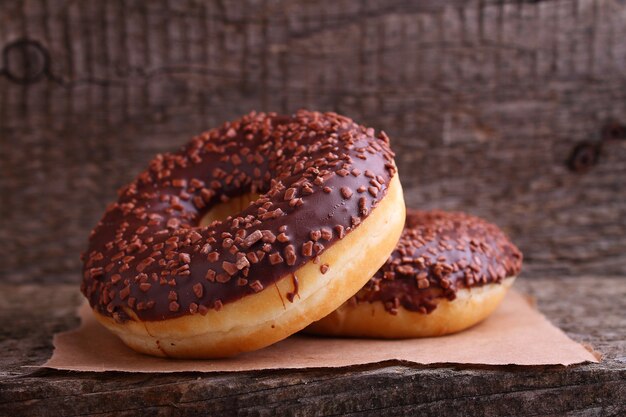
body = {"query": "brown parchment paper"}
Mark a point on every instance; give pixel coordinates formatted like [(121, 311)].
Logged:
[(516, 334)]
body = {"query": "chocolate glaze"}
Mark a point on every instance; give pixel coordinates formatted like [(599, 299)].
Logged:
[(319, 176), (438, 254)]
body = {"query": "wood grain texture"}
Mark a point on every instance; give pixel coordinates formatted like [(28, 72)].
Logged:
[(484, 101), (590, 309)]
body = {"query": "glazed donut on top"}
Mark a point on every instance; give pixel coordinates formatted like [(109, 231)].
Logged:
[(316, 208), (449, 271)]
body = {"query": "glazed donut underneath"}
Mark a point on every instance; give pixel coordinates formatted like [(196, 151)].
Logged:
[(471, 306), (449, 272)]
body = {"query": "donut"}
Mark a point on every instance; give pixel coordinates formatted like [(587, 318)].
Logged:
[(448, 272), (244, 236)]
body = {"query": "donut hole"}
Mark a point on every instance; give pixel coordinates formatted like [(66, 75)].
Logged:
[(231, 207)]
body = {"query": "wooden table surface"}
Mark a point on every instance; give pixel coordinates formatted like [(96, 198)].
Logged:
[(591, 310)]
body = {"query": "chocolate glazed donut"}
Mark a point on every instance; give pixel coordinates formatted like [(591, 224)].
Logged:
[(325, 211), (448, 272)]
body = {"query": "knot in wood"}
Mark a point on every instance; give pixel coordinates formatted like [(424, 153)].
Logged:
[(26, 61), (613, 131), (584, 156)]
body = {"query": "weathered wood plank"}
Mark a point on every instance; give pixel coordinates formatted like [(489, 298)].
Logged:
[(589, 309), (485, 102)]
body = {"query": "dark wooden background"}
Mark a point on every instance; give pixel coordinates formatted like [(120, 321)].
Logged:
[(486, 103)]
